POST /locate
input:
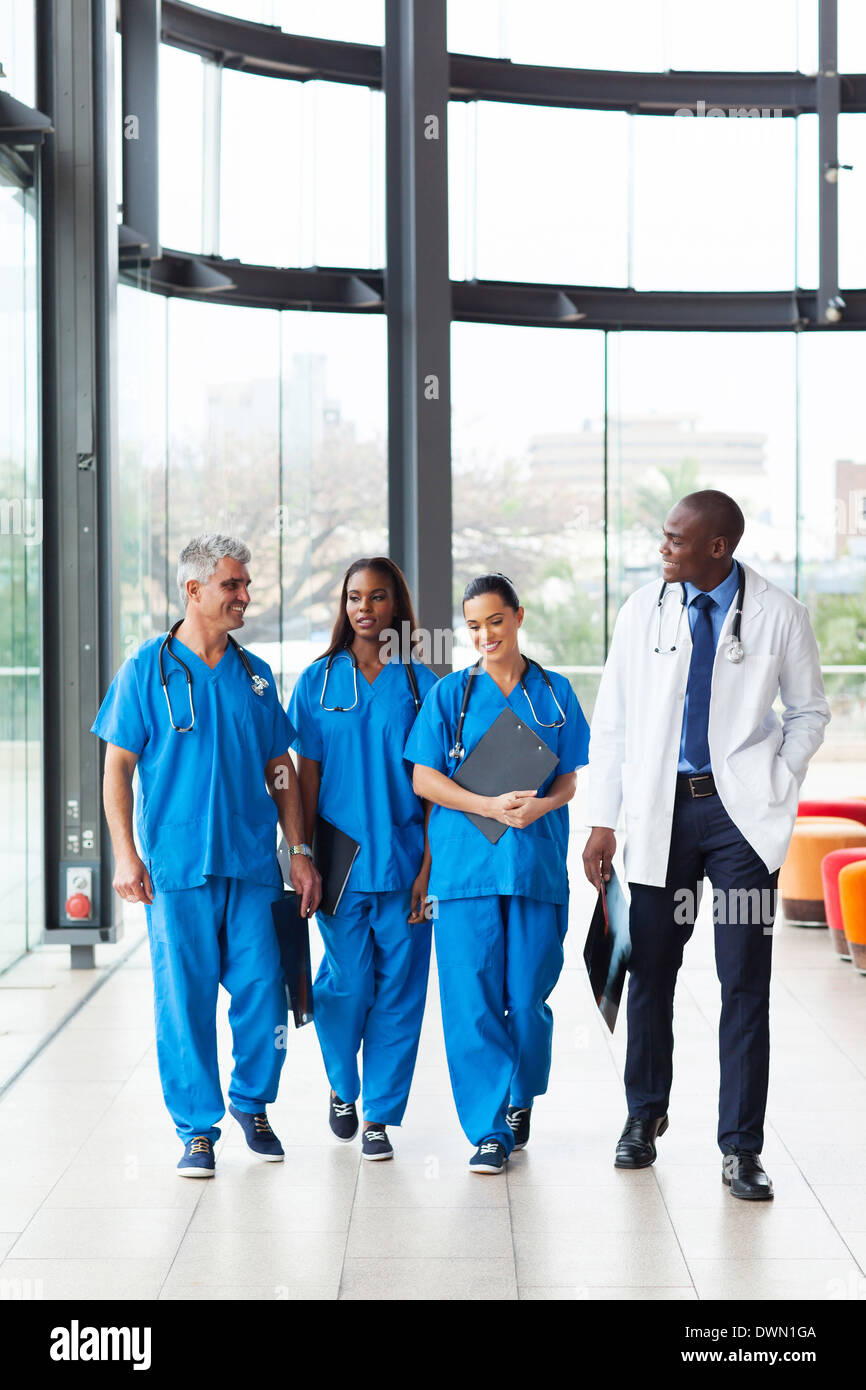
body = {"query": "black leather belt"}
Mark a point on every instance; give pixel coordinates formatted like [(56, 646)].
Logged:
[(698, 783)]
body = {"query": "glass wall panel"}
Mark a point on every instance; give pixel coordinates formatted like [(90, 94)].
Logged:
[(714, 202), (21, 533), (18, 49), (181, 149), (528, 479), (547, 197), (696, 410), (640, 35), (833, 527), (223, 431), (268, 426), (294, 157), (852, 36), (852, 201), (353, 21)]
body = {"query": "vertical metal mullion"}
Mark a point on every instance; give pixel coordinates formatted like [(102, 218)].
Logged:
[(140, 29), (827, 100), (418, 294)]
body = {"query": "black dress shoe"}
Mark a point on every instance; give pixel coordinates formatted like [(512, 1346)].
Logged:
[(636, 1147), (744, 1174)]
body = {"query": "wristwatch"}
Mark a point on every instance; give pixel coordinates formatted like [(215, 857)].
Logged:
[(301, 849)]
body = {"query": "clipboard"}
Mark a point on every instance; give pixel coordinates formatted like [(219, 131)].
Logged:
[(334, 853), (608, 948), (293, 939), (509, 756)]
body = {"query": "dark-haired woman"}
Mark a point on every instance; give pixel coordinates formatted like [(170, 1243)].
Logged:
[(502, 909), (353, 709)]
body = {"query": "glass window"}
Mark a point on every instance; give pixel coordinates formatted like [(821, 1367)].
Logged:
[(714, 202), (697, 410), (528, 480), (353, 21), (181, 154), (18, 49), (852, 36), (283, 197), (807, 202), (852, 201), (21, 534), (833, 529), (547, 196), (740, 36)]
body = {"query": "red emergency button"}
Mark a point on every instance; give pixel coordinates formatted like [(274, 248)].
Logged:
[(78, 905)]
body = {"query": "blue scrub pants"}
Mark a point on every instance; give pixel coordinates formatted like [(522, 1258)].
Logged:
[(221, 932), (371, 987), (498, 960)]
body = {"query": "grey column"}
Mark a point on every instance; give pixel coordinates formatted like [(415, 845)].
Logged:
[(418, 295), (79, 271), (827, 101)]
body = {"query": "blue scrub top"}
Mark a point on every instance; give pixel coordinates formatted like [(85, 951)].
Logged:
[(366, 786), (527, 863), (204, 807)]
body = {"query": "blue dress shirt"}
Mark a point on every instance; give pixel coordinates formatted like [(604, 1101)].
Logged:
[(723, 596)]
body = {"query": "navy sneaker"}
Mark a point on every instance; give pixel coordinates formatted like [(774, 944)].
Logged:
[(518, 1122), (376, 1144), (198, 1158), (489, 1157), (259, 1135), (343, 1119)]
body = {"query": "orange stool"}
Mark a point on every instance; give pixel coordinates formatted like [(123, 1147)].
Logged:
[(831, 865), (800, 885), (852, 896)]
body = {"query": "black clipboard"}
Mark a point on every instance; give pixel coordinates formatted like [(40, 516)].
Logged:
[(509, 757), (608, 948), (334, 853), (293, 939)]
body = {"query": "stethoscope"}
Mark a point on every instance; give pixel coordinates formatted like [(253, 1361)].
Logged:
[(346, 709), (458, 751), (736, 651), (258, 683)]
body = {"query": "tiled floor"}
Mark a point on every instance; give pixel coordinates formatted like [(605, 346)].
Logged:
[(91, 1206)]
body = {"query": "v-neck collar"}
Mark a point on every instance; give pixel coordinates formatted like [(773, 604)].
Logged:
[(210, 671)]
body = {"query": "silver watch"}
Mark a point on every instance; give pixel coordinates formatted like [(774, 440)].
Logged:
[(301, 849)]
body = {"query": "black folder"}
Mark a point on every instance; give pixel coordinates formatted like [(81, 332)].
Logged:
[(293, 939), (608, 947), (334, 853), (510, 757)]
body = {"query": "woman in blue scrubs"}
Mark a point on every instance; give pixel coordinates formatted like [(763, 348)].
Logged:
[(502, 909), (353, 709)]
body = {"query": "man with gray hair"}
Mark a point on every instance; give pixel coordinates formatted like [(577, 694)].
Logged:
[(201, 720)]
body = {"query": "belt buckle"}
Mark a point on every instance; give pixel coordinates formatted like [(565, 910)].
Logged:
[(699, 777)]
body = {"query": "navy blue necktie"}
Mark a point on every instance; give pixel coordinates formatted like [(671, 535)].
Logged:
[(696, 746)]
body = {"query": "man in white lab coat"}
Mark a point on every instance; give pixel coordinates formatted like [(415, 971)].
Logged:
[(686, 742)]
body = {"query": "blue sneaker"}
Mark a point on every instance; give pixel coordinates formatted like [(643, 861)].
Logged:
[(259, 1135), (517, 1120), (343, 1119), (375, 1143), (198, 1158), (489, 1157)]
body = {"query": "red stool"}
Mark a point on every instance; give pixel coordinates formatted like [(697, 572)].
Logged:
[(845, 808), (852, 896), (831, 865)]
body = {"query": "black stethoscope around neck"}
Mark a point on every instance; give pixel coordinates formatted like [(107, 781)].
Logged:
[(458, 752), (258, 683), (736, 651), (347, 709)]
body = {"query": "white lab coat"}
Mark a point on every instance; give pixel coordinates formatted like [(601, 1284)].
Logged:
[(758, 760)]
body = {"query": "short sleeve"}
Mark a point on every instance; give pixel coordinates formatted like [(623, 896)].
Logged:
[(306, 735), (573, 736), (120, 720), (428, 739)]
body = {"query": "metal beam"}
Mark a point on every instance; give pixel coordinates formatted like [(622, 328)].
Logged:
[(417, 293), (830, 306), (75, 57), (140, 28)]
